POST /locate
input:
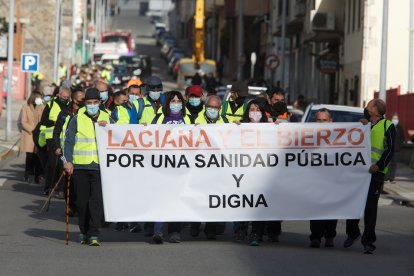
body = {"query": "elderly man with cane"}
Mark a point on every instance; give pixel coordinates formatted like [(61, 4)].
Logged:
[(82, 162)]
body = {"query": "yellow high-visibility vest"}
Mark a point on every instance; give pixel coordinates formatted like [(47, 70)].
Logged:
[(378, 142), (86, 150), (53, 115)]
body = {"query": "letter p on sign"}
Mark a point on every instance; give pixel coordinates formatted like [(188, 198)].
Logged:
[(30, 62)]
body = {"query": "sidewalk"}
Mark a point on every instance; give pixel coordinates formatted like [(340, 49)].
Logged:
[(402, 191), (15, 135)]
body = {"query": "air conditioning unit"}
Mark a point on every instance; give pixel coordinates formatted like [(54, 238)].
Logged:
[(322, 21)]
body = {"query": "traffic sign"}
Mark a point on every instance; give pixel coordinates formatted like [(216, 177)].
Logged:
[(272, 62), (30, 62)]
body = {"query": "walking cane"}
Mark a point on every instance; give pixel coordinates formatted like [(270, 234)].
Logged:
[(52, 192), (67, 210)]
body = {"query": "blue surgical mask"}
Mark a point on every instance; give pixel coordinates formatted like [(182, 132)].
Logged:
[(212, 113), (92, 109), (175, 107), (194, 101), (104, 96), (47, 98), (395, 122), (155, 95), (133, 98)]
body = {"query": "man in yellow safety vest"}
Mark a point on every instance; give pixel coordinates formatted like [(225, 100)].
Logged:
[(382, 148), (81, 154)]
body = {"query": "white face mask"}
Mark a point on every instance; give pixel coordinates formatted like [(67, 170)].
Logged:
[(38, 101), (255, 116)]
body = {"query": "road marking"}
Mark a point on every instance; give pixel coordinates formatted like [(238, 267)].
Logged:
[(2, 180)]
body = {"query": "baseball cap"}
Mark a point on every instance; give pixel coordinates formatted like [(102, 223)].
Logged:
[(134, 82), (92, 94), (195, 90)]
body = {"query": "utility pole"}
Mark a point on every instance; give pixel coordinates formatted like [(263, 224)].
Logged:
[(74, 36), (240, 42), (410, 49), (57, 41), (10, 71), (92, 22), (85, 28), (384, 45), (282, 58)]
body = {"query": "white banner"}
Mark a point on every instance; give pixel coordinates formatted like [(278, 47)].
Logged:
[(232, 172)]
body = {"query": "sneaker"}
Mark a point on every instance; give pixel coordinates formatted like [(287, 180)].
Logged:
[(175, 238), (157, 238), (315, 243), (59, 195), (194, 232), (254, 240), (135, 228), (329, 242), (83, 239), (94, 241), (46, 192), (350, 241), (369, 248)]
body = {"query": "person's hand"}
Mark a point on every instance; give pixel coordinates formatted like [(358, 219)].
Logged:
[(68, 168), (102, 123), (58, 152), (411, 132), (276, 122), (237, 122), (144, 124), (373, 169), (364, 121)]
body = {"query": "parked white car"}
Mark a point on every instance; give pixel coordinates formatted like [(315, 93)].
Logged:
[(339, 113)]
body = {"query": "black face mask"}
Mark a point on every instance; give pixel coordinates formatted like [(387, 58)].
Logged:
[(64, 101), (366, 114), (81, 104), (280, 107)]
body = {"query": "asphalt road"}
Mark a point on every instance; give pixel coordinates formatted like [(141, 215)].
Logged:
[(34, 244)]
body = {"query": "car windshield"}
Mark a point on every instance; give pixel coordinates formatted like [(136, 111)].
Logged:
[(115, 38), (338, 116), (130, 60)]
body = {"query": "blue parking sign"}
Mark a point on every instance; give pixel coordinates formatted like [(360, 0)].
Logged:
[(30, 62)]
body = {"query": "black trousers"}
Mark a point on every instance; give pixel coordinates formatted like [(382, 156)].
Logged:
[(323, 228), (370, 215), (209, 228), (89, 202), (33, 165), (274, 228), (51, 165)]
